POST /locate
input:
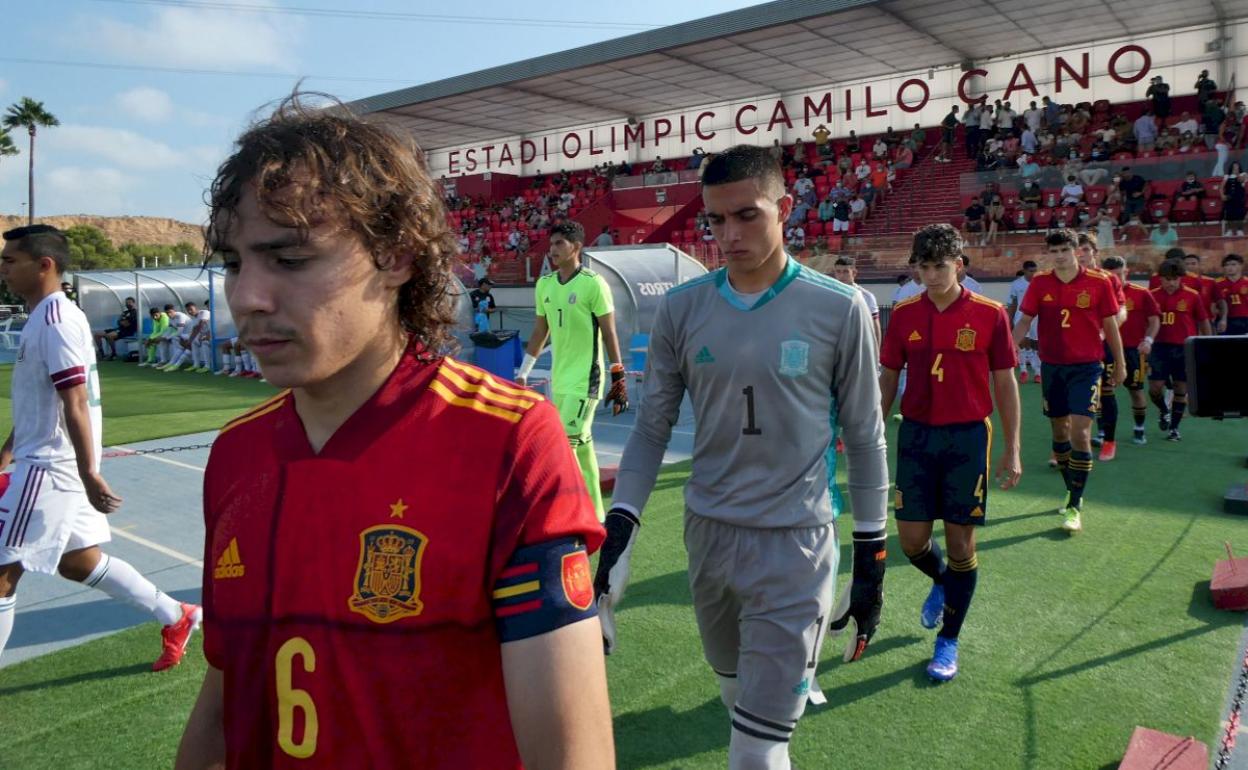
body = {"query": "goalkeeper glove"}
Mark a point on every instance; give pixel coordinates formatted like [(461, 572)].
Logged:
[(858, 609), (612, 574), (617, 397)]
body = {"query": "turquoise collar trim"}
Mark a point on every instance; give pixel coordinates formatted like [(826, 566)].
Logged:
[(791, 270)]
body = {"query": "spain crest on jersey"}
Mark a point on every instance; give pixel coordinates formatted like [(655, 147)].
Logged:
[(966, 340), (1182, 306), (1084, 300), (1130, 305), (387, 579), (794, 358)]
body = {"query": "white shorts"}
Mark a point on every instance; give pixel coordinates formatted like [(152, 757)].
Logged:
[(45, 513)]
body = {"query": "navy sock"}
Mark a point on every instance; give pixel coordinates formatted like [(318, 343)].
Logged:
[(1109, 415), (1177, 407), (1080, 467), (931, 562), (1139, 414), (960, 581)]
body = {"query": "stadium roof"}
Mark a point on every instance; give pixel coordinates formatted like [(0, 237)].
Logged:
[(779, 47)]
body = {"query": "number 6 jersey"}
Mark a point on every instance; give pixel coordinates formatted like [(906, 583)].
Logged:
[(767, 383), (356, 598)]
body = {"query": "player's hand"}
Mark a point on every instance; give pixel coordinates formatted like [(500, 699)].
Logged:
[(1010, 469), (858, 609), (1221, 327), (612, 575), (617, 397), (522, 382), (98, 492), (1145, 348), (1120, 374)]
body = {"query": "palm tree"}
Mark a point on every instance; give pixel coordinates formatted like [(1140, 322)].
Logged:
[(29, 114), (6, 144)]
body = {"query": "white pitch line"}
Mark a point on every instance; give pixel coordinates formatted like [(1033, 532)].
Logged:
[(159, 548), (159, 459)]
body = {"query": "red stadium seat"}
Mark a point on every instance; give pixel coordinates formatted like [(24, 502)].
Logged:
[(1042, 217), (1123, 156), (1050, 197), (1021, 219), (1211, 208), (1213, 187), (1095, 195), (1065, 213), (1185, 210), (1158, 208), (1114, 211), (1165, 188)]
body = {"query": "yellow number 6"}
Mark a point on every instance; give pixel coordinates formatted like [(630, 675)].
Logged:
[(289, 699)]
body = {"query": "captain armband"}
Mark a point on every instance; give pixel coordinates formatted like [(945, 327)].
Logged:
[(545, 587)]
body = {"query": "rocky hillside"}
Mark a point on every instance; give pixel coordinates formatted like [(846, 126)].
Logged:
[(145, 230)]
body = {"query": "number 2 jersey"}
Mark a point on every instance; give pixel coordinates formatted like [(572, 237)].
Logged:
[(356, 599), (767, 383)]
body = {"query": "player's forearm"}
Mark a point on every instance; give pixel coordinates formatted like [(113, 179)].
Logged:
[(1110, 327), (1206, 328), (889, 378), (1154, 326), (611, 341), (78, 425), (557, 698), (643, 453), (203, 740), (1020, 329)]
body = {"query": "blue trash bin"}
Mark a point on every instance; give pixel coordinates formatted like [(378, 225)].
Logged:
[(499, 352)]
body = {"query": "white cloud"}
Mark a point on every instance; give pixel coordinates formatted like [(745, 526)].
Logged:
[(147, 104), (117, 146), (78, 190), (198, 37)]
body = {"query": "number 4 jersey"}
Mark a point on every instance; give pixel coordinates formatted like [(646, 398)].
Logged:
[(356, 599), (767, 382), (54, 353)]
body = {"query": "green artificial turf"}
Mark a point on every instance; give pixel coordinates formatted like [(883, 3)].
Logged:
[(142, 404), (1071, 641)]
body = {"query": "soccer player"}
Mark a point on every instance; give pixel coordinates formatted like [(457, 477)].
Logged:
[(151, 345), (769, 380), (169, 347), (575, 308), (1232, 295), (376, 593), (1138, 333), (52, 516), (961, 342), (231, 351), (1028, 358), (1075, 307), (845, 270), (1183, 314), (1107, 414), (1206, 284), (182, 346), (127, 328)]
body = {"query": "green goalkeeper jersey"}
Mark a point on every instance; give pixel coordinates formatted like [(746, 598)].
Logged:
[(572, 310)]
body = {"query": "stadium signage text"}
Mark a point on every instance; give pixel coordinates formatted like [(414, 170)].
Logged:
[(912, 95)]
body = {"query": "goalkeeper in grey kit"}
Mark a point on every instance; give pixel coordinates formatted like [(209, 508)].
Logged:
[(773, 356)]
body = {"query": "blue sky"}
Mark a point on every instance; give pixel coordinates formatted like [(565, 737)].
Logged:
[(139, 139)]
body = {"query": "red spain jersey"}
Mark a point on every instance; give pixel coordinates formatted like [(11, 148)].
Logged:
[(351, 597), (1235, 295), (1070, 314), (1181, 314), (949, 355), (1201, 283), (1141, 306), (1119, 292)]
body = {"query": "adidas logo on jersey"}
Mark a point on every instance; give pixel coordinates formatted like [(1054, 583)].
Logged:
[(914, 336), (1048, 297), (704, 356), (229, 565)]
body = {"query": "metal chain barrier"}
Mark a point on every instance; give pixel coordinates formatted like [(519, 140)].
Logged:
[(157, 451), (1227, 744)]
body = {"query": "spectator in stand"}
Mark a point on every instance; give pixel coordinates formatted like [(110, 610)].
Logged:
[(1159, 93), (975, 221), (604, 238), (822, 146), (839, 191), (844, 164), (1027, 167), (1010, 147), (905, 157), (852, 143), (1005, 118), (795, 238), (996, 219), (1132, 189), (1030, 196), (1212, 116), (804, 189), (863, 171), (1145, 131), (798, 215), (840, 216), (918, 138), (1028, 141), (777, 151), (1051, 110), (857, 209), (1163, 235), (1168, 139), (970, 127), (1206, 87), (1100, 151), (948, 126), (868, 191), (880, 148), (1104, 224), (987, 126), (695, 160), (1072, 193), (1192, 189), (890, 175), (513, 240), (1233, 197), (827, 208), (1033, 118), (1187, 124), (1228, 139), (127, 328)]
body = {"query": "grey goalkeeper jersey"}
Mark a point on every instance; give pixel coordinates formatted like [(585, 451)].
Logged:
[(768, 384)]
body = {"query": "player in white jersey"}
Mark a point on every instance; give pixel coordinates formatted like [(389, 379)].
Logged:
[(187, 346), (52, 514), (770, 382), (170, 348), (1029, 350), (845, 270)]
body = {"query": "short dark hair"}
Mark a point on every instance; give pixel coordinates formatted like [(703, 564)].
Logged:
[(1113, 262), (1174, 252), (171, 306), (1030, 265), (742, 162), (1062, 236), (936, 243), (41, 241), (1232, 258), (571, 230), (191, 304), (1172, 268), (1190, 255), (845, 262), (1089, 239), (129, 299), (153, 310)]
